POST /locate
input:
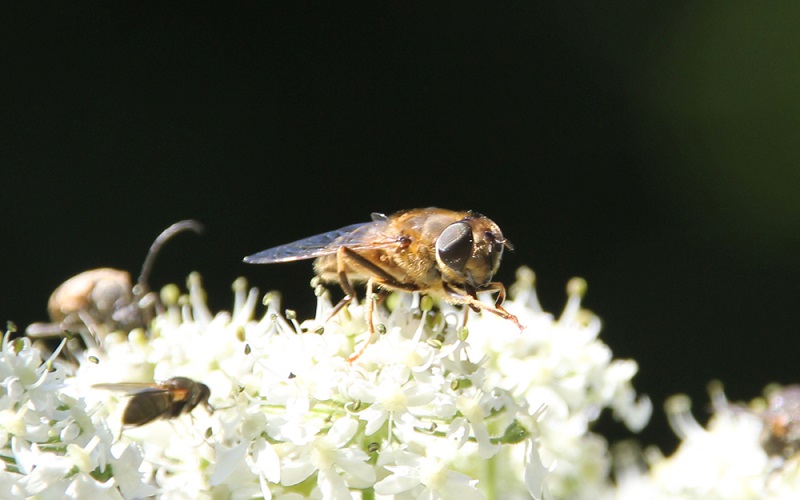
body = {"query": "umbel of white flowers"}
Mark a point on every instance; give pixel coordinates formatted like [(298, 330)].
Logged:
[(430, 410)]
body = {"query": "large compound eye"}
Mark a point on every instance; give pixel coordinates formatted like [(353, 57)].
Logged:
[(454, 246)]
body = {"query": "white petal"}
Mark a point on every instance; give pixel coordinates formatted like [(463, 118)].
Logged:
[(296, 472), (462, 487), (342, 431), (428, 494), (332, 485), (396, 483), (85, 486), (375, 419), (265, 490), (486, 449), (420, 395), (24, 453), (266, 460), (358, 467), (227, 461), (127, 475), (535, 472)]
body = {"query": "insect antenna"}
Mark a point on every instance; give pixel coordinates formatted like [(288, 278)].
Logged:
[(142, 288)]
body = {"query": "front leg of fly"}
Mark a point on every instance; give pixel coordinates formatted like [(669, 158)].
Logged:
[(455, 296), (500, 288)]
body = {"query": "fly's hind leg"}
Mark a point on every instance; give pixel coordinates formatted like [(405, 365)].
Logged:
[(378, 275), (344, 283), (370, 309)]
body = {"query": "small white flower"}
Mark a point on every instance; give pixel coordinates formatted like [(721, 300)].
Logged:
[(43, 470), (85, 486), (25, 377), (126, 473), (473, 424), (338, 466), (390, 394), (264, 461), (427, 478)]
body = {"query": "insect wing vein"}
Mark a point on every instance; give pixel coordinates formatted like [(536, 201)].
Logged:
[(314, 246)]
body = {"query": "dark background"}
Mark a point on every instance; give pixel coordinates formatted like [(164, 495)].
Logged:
[(651, 149)]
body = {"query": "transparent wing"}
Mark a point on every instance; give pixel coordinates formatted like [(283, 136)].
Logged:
[(355, 236), (131, 387)]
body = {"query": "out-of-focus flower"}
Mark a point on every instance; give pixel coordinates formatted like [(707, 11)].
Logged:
[(728, 458), (430, 410)]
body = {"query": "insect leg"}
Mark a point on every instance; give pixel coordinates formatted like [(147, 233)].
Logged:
[(501, 297), (379, 276), (344, 283), (474, 294), (500, 288), (375, 270), (344, 255), (91, 335), (370, 306), (455, 296)]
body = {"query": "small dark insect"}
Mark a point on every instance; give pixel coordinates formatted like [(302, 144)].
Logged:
[(96, 302), (167, 399), (447, 254)]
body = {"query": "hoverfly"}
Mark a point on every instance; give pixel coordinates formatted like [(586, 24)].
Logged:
[(447, 254), (99, 301), (167, 399)]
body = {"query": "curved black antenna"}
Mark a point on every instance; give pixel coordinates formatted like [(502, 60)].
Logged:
[(141, 287)]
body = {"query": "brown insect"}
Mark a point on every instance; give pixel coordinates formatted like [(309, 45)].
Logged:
[(99, 301), (781, 434), (167, 399), (447, 254)]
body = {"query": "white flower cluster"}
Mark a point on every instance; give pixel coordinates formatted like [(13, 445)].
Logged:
[(50, 446), (744, 453), (430, 410)]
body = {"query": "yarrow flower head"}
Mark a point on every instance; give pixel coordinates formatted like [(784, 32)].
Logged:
[(432, 409)]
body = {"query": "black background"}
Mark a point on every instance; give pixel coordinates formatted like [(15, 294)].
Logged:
[(650, 149)]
